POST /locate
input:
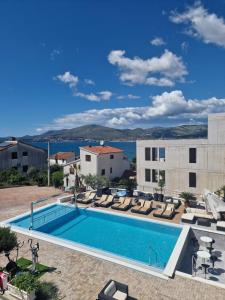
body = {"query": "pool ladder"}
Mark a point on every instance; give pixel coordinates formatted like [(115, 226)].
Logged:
[(154, 252)]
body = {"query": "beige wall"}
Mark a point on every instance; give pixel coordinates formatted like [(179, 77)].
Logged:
[(103, 161)]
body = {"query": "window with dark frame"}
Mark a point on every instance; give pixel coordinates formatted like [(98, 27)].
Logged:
[(88, 157), (147, 175), (103, 172), (147, 153), (111, 156), (25, 169), (154, 154), (25, 153), (192, 180), (110, 170), (192, 155), (14, 155), (154, 175)]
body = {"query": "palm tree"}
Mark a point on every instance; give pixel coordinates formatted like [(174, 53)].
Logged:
[(187, 197)]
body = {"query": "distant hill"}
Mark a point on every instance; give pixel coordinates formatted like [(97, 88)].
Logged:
[(97, 132)]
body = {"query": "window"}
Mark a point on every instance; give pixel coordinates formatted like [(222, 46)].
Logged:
[(88, 157), (154, 154), (25, 168), (103, 172), (110, 170), (147, 175), (25, 153), (162, 175), (14, 155), (192, 155), (154, 175), (111, 156), (147, 153), (162, 154), (192, 180)]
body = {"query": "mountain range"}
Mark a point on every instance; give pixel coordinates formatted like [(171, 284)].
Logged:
[(97, 132)]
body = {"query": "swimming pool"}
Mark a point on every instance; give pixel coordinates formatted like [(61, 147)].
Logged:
[(140, 241)]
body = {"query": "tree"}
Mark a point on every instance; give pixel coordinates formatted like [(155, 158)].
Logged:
[(95, 181), (57, 179), (8, 241), (187, 197), (33, 174), (223, 190), (133, 164), (128, 183)]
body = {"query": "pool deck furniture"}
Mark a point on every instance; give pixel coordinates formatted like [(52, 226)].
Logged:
[(196, 213), (167, 211), (88, 198), (206, 239), (102, 199), (220, 225), (174, 201), (118, 203), (146, 208), (138, 206), (108, 201), (188, 218), (125, 205), (114, 290)]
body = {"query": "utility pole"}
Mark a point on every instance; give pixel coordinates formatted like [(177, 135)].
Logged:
[(48, 163)]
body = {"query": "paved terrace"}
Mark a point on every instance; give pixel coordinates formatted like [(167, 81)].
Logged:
[(81, 277)]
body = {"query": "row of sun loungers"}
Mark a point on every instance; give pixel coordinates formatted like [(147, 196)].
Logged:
[(165, 210)]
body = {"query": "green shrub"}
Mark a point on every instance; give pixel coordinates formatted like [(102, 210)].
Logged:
[(33, 174), (47, 291), (26, 282), (42, 179), (57, 179), (8, 239)]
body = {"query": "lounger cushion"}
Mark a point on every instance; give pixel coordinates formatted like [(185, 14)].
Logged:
[(111, 289), (119, 295), (187, 217)]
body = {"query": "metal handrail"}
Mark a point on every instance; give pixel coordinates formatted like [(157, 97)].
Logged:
[(43, 219), (156, 255)]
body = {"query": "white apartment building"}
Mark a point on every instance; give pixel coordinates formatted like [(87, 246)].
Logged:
[(97, 160), (189, 165), (105, 161)]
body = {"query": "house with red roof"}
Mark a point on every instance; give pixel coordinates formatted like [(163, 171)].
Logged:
[(103, 160), (62, 158)]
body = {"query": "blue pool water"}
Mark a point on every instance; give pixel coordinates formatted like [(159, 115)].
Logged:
[(149, 243)]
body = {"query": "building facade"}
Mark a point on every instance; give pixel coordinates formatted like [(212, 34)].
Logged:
[(189, 165), (21, 156), (103, 161), (62, 158)]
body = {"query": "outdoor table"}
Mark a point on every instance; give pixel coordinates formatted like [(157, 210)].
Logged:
[(206, 239), (203, 254)]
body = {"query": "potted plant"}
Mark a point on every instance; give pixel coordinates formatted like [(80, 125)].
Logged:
[(23, 286), (187, 197), (8, 241)]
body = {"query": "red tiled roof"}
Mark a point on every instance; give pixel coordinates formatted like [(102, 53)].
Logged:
[(63, 155), (102, 149)]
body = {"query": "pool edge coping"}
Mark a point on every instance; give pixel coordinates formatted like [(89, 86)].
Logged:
[(168, 271)]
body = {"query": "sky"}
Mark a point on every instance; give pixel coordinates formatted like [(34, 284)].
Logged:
[(120, 63)]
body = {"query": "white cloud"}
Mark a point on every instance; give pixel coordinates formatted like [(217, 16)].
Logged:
[(161, 71), (129, 96), (68, 78), (202, 24), (89, 81), (103, 95), (170, 107), (55, 53), (158, 41)]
